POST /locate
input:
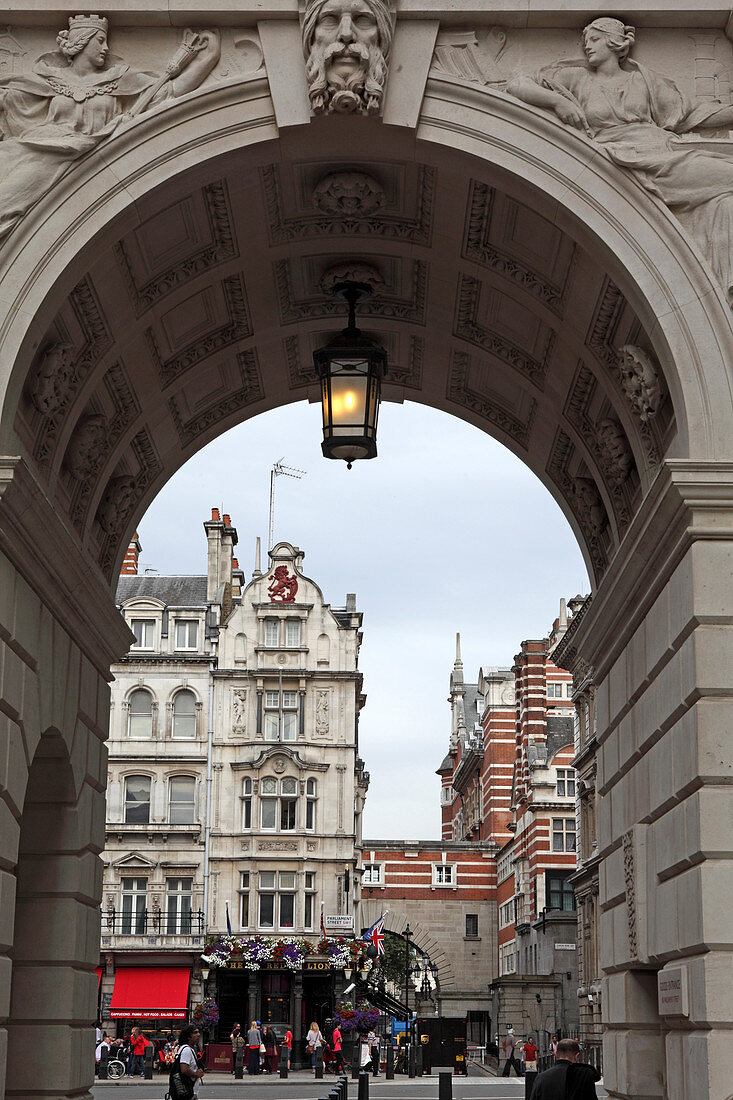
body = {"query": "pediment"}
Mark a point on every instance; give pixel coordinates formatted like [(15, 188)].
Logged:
[(135, 861), (271, 755)]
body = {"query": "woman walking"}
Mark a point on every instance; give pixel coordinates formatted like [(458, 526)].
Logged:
[(270, 1050), (254, 1041), (314, 1042)]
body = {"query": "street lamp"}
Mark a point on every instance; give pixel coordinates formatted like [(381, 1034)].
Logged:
[(351, 368)]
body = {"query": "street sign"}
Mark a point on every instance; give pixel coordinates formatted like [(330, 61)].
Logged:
[(339, 924)]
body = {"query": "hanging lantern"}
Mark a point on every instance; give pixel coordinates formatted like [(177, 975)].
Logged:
[(351, 368)]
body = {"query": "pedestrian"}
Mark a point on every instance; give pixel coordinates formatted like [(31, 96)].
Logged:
[(289, 1044), (568, 1079), (254, 1041), (270, 1050), (138, 1042), (529, 1055), (337, 1051), (186, 1062), (553, 1046), (314, 1042), (104, 1043), (510, 1043), (373, 1040), (237, 1040)]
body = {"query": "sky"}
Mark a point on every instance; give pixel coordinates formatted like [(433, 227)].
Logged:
[(445, 531)]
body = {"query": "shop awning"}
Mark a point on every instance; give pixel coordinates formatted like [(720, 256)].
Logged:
[(150, 993)]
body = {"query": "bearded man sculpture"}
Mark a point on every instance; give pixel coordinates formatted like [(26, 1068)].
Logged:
[(346, 45), (76, 97)]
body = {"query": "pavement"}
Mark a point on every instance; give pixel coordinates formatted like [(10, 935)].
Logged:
[(300, 1085)]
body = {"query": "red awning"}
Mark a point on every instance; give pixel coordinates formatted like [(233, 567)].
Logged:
[(99, 971), (150, 993)]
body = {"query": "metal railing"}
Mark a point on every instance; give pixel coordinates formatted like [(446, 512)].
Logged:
[(591, 1055), (147, 923)]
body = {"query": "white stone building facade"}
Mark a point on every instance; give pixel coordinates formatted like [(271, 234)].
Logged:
[(235, 786)]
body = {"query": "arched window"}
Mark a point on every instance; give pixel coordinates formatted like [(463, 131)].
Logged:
[(137, 799), (184, 716), (181, 805), (140, 716)]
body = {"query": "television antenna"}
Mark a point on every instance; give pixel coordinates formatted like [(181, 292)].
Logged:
[(279, 470)]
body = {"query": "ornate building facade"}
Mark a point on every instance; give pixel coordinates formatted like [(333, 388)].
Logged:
[(235, 786)]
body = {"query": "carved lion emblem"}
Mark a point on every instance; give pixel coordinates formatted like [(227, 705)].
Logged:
[(283, 587)]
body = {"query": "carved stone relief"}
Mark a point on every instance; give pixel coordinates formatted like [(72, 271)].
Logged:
[(348, 195), (277, 846), (346, 49), (116, 504), (350, 200), (460, 390), (615, 455), (588, 505), (584, 499), (639, 381), (76, 98), (403, 369), (123, 493), (471, 55), (352, 272), (393, 302), (630, 883), (82, 455), (591, 96), (323, 709), (239, 709), (47, 387)]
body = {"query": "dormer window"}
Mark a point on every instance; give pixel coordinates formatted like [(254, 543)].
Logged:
[(144, 631), (187, 634)]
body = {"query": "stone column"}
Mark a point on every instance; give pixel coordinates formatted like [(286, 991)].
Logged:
[(659, 632)]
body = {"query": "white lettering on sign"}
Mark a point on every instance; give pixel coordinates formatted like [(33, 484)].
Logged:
[(565, 947), (672, 992), (339, 924)]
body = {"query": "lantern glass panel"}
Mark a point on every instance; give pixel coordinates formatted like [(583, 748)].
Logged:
[(348, 403)]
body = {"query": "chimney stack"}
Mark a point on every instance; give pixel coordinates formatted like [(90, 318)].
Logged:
[(222, 538), (129, 564)]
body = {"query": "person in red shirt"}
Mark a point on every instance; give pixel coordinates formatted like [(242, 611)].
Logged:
[(138, 1042), (289, 1043), (336, 1043), (530, 1056)]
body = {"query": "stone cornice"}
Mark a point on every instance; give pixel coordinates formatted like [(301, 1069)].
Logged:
[(688, 501), (278, 750), (67, 582)]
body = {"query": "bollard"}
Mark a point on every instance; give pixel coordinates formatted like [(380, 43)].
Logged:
[(529, 1080), (389, 1068), (344, 1082), (283, 1062), (363, 1086), (103, 1058), (355, 1059), (319, 1063), (445, 1085), (418, 1060), (411, 1060), (239, 1062)]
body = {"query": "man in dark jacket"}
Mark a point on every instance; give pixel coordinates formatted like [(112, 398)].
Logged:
[(568, 1079)]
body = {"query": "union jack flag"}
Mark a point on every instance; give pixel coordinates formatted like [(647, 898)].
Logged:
[(375, 935)]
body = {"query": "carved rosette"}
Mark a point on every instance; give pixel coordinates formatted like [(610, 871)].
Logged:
[(348, 195)]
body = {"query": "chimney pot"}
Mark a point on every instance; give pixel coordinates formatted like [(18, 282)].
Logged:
[(215, 514), (235, 563), (227, 520)]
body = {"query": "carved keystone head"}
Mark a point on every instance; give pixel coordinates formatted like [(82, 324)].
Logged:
[(346, 44)]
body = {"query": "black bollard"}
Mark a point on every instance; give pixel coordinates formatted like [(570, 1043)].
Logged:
[(363, 1086), (389, 1067), (148, 1062), (239, 1062), (319, 1063), (283, 1062), (411, 1060), (355, 1059), (103, 1058), (418, 1060), (529, 1080), (445, 1085), (344, 1083)]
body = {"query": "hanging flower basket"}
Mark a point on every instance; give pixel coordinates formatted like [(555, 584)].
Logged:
[(287, 951), (206, 1014), (360, 1018)]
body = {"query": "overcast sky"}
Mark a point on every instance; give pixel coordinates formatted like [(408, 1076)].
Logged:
[(445, 531)]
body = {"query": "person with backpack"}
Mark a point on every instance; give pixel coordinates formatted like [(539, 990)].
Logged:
[(568, 1079), (186, 1072)]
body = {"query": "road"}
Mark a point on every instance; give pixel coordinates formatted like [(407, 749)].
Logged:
[(426, 1088)]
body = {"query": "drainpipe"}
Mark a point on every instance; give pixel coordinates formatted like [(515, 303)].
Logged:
[(209, 753)]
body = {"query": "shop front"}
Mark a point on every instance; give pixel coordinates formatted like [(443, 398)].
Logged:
[(154, 998)]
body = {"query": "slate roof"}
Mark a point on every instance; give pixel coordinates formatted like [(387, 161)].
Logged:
[(182, 591)]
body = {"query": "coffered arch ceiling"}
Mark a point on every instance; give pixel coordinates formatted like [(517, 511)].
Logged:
[(205, 311)]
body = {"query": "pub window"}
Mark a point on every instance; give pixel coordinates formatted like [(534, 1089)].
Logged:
[(310, 900), (267, 899), (310, 804), (272, 632), (178, 898), (134, 910), (268, 803)]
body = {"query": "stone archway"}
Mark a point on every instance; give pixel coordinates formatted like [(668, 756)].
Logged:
[(171, 286)]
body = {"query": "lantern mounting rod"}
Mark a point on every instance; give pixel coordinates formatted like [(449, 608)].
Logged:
[(352, 292)]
